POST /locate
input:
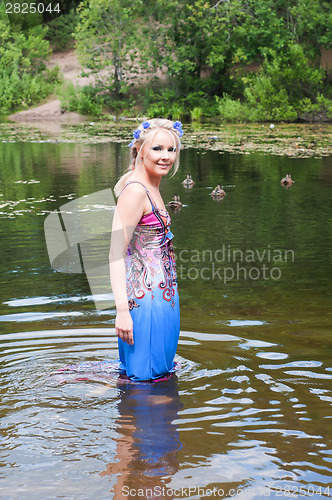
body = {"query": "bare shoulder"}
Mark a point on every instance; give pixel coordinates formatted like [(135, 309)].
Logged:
[(134, 192), (131, 203)]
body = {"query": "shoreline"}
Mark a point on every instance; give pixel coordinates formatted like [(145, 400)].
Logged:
[(291, 140)]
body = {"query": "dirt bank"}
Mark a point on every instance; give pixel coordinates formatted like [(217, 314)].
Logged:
[(51, 109)]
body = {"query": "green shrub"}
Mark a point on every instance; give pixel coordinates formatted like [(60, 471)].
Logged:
[(88, 103), (60, 31), (83, 100), (286, 81), (67, 96), (157, 110), (320, 110), (286, 88), (24, 79), (166, 102), (177, 112), (196, 114), (18, 91), (230, 110)]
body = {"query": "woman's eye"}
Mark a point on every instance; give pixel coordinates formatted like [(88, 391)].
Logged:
[(159, 148)]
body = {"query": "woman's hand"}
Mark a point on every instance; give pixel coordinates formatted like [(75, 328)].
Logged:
[(124, 327)]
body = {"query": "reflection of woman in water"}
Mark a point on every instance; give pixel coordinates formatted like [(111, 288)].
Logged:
[(147, 448), (142, 264)]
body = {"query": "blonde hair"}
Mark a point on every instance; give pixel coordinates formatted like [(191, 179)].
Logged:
[(145, 131)]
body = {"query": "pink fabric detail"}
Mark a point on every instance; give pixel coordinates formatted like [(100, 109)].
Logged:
[(151, 219)]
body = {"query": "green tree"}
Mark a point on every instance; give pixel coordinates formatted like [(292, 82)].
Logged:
[(24, 79), (311, 24), (216, 34), (192, 46), (286, 88), (109, 43), (286, 83)]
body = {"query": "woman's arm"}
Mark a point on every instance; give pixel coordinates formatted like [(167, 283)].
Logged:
[(128, 212)]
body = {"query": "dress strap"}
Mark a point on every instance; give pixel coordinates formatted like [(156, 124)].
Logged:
[(146, 190)]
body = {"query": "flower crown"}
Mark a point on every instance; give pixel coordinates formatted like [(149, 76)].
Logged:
[(176, 125)]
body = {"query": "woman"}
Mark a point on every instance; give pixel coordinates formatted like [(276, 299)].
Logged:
[(142, 265)]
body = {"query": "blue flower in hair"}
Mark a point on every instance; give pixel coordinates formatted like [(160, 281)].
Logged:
[(131, 144), (136, 133), (178, 126), (146, 125)]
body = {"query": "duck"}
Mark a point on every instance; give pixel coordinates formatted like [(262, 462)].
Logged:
[(175, 202), (287, 181), (218, 192), (188, 182)]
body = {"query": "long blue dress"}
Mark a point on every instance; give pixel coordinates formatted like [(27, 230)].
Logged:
[(152, 297)]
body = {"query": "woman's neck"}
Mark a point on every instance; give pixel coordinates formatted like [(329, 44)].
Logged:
[(147, 180)]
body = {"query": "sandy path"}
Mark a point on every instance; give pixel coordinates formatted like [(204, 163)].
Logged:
[(48, 114), (51, 109)]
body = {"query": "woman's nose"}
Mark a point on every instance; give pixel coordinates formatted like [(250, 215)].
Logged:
[(165, 153)]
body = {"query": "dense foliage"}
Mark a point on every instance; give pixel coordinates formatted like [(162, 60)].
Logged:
[(252, 60), (24, 79), (204, 51)]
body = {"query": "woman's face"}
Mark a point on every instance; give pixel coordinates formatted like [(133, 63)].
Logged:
[(159, 154)]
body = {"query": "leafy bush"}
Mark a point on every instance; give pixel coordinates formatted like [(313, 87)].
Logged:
[(157, 110), (24, 79), (231, 110), (283, 82), (83, 100), (318, 111), (20, 91), (196, 114), (166, 102), (60, 31), (177, 112), (286, 88)]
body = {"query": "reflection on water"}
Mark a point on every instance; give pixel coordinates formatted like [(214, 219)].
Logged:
[(250, 408), (148, 443), (241, 414)]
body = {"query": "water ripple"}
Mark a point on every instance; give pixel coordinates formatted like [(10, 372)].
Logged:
[(63, 408)]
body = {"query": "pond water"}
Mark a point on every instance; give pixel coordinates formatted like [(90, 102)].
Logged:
[(248, 411)]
